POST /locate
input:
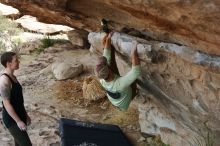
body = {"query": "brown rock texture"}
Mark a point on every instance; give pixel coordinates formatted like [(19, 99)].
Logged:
[(192, 23)]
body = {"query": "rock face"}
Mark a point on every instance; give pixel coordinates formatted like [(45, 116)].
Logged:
[(189, 22), (192, 23), (185, 85)]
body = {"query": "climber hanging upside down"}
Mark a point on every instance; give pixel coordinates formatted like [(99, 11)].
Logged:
[(120, 89)]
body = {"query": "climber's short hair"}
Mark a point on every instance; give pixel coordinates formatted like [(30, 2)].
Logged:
[(7, 57)]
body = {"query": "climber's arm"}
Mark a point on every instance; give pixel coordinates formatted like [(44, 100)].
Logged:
[(132, 75), (134, 55), (107, 47)]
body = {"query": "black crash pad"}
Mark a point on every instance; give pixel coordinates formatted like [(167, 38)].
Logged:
[(78, 133)]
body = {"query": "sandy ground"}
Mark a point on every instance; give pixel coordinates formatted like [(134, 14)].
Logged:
[(47, 100)]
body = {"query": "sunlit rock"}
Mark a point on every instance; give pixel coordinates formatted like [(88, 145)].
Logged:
[(63, 70), (31, 23), (9, 11)]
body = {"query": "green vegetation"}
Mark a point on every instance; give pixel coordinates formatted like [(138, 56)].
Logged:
[(47, 42), (9, 29)]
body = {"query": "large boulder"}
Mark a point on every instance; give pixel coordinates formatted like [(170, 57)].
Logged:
[(193, 23), (62, 70), (184, 84), (78, 37)]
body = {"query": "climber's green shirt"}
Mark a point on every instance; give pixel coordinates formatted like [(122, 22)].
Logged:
[(121, 84)]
